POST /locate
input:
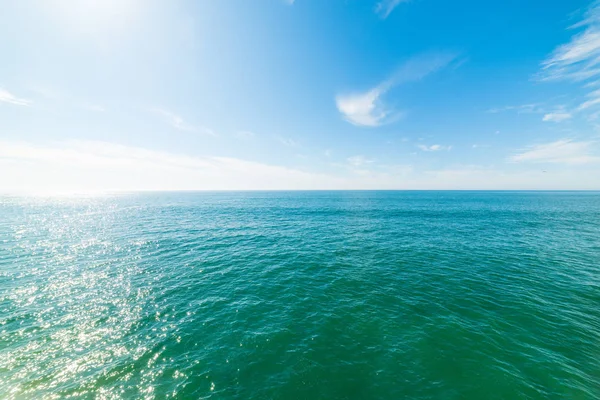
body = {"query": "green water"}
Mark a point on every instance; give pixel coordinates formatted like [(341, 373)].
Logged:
[(316, 295)]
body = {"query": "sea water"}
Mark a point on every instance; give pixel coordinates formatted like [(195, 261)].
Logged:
[(301, 295)]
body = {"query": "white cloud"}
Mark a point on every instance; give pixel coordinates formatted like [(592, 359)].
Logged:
[(594, 100), (99, 166), (434, 147), (287, 141), (177, 122), (480, 146), (558, 113), (482, 178), (557, 117), (578, 59), (565, 151), (385, 7), (589, 103), (362, 109), (521, 109), (87, 166), (359, 161), (7, 97), (367, 108)]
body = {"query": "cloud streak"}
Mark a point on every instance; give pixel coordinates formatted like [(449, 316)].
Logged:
[(564, 151), (521, 109), (177, 122), (367, 108), (359, 161), (101, 166), (7, 97), (287, 141), (434, 147), (91, 166), (557, 117), (385, 7), (579, 59)]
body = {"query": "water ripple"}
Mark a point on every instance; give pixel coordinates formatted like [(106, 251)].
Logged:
[(323, 295)]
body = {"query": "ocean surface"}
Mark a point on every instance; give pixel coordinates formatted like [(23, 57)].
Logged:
[(301, 295)]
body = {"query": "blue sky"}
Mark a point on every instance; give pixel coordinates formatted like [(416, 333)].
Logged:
[(304, 94)]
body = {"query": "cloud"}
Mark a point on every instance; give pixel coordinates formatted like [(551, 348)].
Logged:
[(91, 166), (594, 100), (7, 97), (359, 161), (521, 109), (385, 7), (287, 141), (100, 166), (362, 109), (579, 59), (565, 151), (434, 147), (557, 117), (177, 122), (483, 178), (559, 113), (481, 146), (367, 108)]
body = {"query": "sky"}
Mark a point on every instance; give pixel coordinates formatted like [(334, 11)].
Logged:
[(124, 95)]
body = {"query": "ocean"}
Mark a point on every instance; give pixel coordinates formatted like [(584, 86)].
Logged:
[(301, 295)]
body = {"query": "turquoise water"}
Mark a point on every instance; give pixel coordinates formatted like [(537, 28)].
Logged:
[(301, 295)]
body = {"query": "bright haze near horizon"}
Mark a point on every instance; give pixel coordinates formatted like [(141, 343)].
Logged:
[(102, 95)]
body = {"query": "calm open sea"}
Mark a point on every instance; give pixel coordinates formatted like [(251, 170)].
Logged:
[(301, 295)]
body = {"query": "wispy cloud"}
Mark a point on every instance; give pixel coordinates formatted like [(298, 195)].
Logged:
[(102, 166), (593, 100), (385, 7), (557, 113), (557, 117), (177, 122), (174, 120), (565, 151), (287, 141), (434, 147), (367, 108), (521, 109), (8, 97), (579, 59), (480, 146), (359, 161), (85, 166)]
